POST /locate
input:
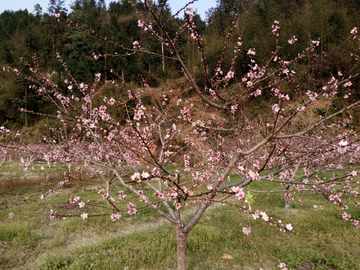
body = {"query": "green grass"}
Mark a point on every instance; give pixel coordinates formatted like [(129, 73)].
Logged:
[(30, 240), (220, 233)]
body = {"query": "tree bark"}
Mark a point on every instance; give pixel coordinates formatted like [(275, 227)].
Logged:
[(181, 239)]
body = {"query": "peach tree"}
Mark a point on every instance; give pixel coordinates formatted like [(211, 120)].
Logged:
[(205, 145)]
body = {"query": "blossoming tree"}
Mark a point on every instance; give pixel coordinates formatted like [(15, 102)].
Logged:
[(204, 148)]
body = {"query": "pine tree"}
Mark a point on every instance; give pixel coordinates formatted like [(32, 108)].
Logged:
[(56, 6)]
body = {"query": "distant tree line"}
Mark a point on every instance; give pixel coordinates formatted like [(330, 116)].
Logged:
[(23, 34)]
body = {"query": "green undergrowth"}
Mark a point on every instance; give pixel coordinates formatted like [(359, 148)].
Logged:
[(30, 240)]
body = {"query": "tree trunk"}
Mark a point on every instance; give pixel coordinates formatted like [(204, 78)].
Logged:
[(26, 122), (181, 239), (162, 53)]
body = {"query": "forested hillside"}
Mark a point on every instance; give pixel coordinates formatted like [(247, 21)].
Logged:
[(24, 34)]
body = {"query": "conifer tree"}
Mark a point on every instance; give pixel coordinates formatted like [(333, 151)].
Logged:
[(56, 6)]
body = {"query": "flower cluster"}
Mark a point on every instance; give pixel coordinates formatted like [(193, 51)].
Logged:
[(239, 193), (115, 217), (131, 208), (253, 175), (73, 199), (275, 27)]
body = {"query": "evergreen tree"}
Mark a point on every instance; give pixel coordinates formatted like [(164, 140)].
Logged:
[(56, 6), (38, 10)]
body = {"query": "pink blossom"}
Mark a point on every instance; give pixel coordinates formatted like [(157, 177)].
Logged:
[(316, 43), (354, 31), (286, 71), (81, 204), (264, 216), (111, 101), (301, 108), (292, 40), (234, 108), (87, 98), (257, 93), (275, 91), (239, 193), (253, 175), (145, 175), (275, 27), (246, 230), (115, 217), (137, 116), (110, 136), (251, 51), (135, 176), (136, 44), (284, 97), (249, 84), (229, 75), (275, 108), (177, 205), (141, 24), (189, 14), (342, 146), (347, 84), (312, 95), (346, 216), (53, 214), (132, 209)]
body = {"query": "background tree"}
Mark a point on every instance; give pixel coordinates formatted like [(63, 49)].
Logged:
[(38, 10), (56, 6)]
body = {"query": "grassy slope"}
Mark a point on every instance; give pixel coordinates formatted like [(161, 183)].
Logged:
[(29, 240)]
